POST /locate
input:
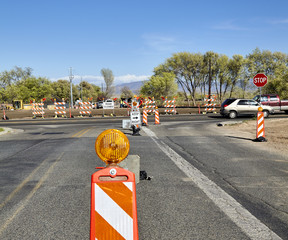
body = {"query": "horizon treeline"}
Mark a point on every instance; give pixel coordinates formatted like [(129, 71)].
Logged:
[(196, 74), (200, 74)]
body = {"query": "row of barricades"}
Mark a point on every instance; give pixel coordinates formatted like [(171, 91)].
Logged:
[(60, 109), (148, 108)]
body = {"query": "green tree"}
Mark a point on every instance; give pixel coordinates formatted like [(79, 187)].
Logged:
[(235, 67), (29, 89), (61, 90), (222, 79), (89, 91), (210, 63), (187, 70), (7, 78), (160, 85), (273, 65)]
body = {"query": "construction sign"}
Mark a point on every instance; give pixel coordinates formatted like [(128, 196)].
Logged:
[(108, 104), (135, 116), (113, 205), (113, 191)]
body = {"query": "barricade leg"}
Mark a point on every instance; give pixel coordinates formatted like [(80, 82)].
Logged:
[(144, 118)]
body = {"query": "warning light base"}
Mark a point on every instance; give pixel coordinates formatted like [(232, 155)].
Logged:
[(135, 131)]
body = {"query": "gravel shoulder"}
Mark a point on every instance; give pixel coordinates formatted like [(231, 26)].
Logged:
[(276, 133)]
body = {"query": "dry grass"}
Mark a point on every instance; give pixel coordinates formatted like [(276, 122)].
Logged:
[(276, 132)]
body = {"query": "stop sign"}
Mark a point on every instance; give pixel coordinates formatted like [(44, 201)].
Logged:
[(260, 80)]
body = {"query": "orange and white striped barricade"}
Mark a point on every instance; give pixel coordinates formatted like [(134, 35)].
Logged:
[(60, 109), (150, 105), (260, 127), (157, 119), (210, 106), (38, 109), (113, 205), (85, 108), (170, 106), (113, 191)]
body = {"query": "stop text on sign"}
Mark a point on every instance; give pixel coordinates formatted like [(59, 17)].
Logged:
[(260, 80)]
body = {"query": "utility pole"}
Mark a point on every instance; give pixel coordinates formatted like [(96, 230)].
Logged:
[(81, 89), (210, 78), (71, 76)]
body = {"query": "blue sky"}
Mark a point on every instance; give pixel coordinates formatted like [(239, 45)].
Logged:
[(131, 37)]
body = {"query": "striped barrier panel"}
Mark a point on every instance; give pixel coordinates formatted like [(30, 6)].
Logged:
[(149, 106), (85, 109), (113, 205), (60, 109), (170, 106), (210, 106), (260, 131), (38, 109)]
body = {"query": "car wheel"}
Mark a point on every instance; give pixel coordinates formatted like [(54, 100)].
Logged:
[(232, 114), (266, 114)]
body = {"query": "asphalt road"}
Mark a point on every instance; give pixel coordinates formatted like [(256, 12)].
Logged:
[(203, 182)]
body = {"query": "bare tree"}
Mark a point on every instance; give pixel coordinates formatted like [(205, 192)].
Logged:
[(109, 80)]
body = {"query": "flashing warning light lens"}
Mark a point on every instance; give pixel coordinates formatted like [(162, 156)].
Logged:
[(260, 109), (112, 146)]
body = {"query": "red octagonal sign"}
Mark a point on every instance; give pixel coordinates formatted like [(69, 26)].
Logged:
[(260, 80)]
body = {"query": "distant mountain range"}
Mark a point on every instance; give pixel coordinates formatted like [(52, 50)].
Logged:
[(133, 86)]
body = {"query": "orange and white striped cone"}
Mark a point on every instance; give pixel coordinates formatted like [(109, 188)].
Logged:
[(260, 128), (144, 118), (157, 119), (113, 205)]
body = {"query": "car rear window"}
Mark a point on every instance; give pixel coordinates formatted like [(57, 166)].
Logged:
[(228, 101)]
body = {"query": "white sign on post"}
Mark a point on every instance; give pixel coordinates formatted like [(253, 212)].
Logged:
[(135, 118), (108, 105)]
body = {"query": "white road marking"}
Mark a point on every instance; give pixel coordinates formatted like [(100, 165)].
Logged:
[(249, 224)]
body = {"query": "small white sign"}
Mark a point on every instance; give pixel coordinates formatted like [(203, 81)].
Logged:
[(108, 105), (135, 118)]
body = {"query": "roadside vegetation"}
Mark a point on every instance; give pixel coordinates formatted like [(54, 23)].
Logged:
[(1, 130), (188, 76), (199, 75)]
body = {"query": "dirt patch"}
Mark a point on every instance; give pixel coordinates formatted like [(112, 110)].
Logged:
[(276, 132)]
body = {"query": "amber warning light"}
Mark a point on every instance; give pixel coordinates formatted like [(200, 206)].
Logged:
[(112, 146)]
